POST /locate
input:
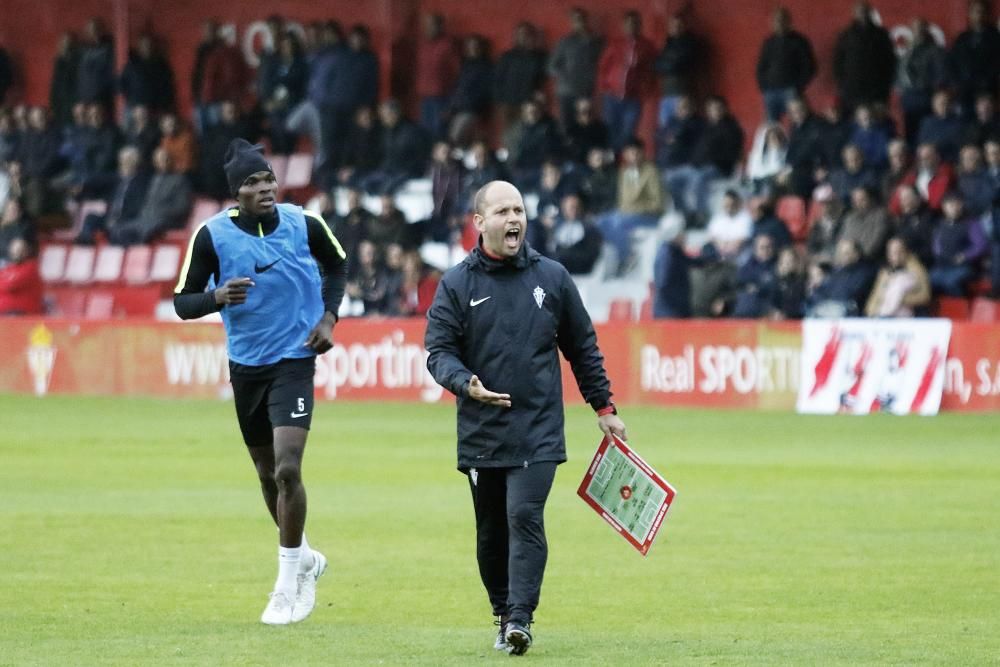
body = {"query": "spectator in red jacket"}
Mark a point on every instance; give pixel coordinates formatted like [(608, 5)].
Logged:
[(224, 76), (20, 283), (625, 77), (437, 68), (931, 177)]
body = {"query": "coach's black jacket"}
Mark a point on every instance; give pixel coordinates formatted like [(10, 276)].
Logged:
[(503, 320)]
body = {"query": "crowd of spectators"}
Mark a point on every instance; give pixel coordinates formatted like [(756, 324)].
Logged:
[(914, 198)]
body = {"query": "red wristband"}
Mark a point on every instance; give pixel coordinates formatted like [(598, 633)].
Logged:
[(610, 410)]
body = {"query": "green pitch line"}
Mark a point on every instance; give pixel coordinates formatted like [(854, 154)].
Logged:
[(132, 533)]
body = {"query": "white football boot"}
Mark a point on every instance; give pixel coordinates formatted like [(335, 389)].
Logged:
[(278, 610), (305, 595)]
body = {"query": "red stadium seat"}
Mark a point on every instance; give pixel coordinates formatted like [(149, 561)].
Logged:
[(52, 262), (69, 302), (80, 265), (136, 301), (96, 206), (137, 260), (100, 306), (108, 265), (299, 173), (953, 307), (792, 211), (984, 310), (621, 310), (166, 263)]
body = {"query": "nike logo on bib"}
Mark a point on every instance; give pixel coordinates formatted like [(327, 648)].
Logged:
[(296, 415), (476, 302), (262, 269)]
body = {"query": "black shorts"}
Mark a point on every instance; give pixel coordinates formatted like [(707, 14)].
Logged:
[(278, 394)]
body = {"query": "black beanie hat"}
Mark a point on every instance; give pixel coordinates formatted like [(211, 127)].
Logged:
[(243, 160)]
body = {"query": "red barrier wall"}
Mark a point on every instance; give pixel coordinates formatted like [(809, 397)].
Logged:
[(734, 30), (731, 364)]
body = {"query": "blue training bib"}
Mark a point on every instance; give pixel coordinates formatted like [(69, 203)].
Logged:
[(286, 301)]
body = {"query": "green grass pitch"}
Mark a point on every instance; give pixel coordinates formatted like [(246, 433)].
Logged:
[(132, 533)]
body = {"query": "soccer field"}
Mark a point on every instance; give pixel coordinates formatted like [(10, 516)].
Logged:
[(132, 532)]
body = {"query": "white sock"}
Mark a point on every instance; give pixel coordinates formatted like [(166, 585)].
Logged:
[(306, 560), (288, 568)]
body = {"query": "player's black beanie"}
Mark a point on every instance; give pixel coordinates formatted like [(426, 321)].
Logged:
[(243, 160)]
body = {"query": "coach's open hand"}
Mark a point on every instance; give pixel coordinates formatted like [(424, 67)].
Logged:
[(321, 337), (484, 395), (233, 291), (612, 423)]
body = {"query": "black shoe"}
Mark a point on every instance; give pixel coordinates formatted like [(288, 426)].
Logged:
[(518, 638), (501, 642)]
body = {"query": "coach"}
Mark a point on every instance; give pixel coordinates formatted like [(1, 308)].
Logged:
[(497, 321)]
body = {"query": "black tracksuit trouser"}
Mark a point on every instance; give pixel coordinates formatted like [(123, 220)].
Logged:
[(510, 535)]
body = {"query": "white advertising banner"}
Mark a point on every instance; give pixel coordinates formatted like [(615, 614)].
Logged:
[(858, 366)]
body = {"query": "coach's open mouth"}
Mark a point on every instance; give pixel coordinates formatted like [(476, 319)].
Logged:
[(513, 237)]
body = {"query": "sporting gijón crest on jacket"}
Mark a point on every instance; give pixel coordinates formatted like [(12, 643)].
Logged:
[(506, 321)]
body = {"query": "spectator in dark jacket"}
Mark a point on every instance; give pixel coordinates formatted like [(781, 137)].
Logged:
[(573, 65), (766, 222), (95, 81), (446, 189), (676, 141), (100, 143), (202, 115), (38, 154), (354, 83), (404, 151), (790, 287), (974, 183), (573, 240), (942, 127), (437, 68), (853, 173), (844, 291), (959, 243), (15, 224), (362, 151), (599, 182), (62, 85), (715, 156), (871, 138), (529, 142), (389, 226), (142, 132), (672, 280), (985, 125), (520, 72), (584, 132), (147, 78), (166, 206), (922, 70), (625, 78), (677, 65), (914, 224), (213, 145), (785, 67), (284, 89), (124, 194), (864, 61), (756, 281), (805, 150), (352, 229), (471, 102), (975, 56)]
